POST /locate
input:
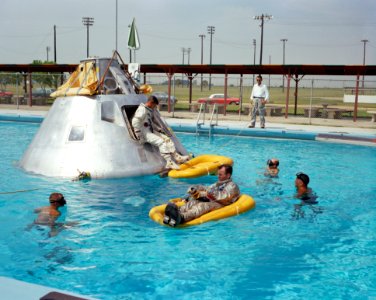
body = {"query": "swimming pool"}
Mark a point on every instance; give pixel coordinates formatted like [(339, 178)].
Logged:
[(116, 252)]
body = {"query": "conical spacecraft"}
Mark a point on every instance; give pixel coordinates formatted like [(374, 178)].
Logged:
[(88, 127)]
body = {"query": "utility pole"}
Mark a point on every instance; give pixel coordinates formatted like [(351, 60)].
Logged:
[(283, 75), (182, 78), (189, 54), (87, 21), (364, 58), (254, 58), (211, 30), (55, 44), (48, 50), (270, 62), (202, 36), (116, 26), (262, 18)]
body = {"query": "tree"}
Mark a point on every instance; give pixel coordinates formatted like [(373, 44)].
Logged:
[(6, 79), (45, 79)]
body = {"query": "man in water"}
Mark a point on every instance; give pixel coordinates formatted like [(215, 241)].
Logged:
[(303, 192), (47, 215), (272, 168), (204, 199), (147, 132), (306, 195)]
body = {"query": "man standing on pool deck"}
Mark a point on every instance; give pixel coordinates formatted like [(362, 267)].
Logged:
[(204, 199), (259, 96)]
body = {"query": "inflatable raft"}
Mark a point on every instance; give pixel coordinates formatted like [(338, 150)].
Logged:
[(200, 166), (243, 204)]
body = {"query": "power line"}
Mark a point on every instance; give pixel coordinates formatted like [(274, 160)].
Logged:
[(211, 30), (87, 21), (262, 18)]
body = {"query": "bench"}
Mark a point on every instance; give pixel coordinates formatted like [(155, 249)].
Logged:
[(193, 107), (270, 110), (336, 113), (373, 114), (273, 110), (5, 100), (315, 112)]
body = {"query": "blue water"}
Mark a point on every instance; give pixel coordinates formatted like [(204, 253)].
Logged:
[(115, 251)]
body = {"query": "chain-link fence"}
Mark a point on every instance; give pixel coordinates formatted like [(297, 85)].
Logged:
[(29, 89), (331, 97)]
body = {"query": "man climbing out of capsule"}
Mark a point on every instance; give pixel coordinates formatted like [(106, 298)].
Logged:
[(204, 199), (142, 123)]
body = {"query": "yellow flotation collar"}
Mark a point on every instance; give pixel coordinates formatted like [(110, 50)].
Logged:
[(200, 166), (243, 204)]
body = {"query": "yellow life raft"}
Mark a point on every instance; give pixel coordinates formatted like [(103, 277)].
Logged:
[(243, 204), (200, 166)]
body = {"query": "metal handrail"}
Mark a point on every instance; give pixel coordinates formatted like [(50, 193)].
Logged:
[(202, 111)]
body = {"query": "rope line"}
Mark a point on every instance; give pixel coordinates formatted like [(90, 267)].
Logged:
[(20, 191)]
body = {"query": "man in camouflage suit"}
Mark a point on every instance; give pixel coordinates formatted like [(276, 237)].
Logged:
[(204, 199)]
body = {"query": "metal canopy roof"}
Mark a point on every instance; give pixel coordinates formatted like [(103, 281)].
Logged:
[(369, 70)]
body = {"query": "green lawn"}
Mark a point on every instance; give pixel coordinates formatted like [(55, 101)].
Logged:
[(332, 96)]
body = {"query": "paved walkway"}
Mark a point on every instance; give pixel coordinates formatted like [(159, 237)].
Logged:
[(361, 127)]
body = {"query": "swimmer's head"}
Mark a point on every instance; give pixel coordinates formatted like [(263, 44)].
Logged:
[(303, 177), (57, 198), (273, 162)]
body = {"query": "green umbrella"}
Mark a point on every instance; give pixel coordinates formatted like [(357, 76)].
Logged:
[(133, 41)]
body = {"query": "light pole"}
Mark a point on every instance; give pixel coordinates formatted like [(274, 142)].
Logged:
[(283, 75), (211, 30), (87, 21), (254, 58), (48, 50), (262, 18), (364, 58), (202, 36)]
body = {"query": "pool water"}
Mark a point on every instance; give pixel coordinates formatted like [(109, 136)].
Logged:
[(112, 250)]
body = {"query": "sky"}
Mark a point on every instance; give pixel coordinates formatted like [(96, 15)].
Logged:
[(317, 31)]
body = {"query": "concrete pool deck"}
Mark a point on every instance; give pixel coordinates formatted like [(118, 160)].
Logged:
[(362, 132)]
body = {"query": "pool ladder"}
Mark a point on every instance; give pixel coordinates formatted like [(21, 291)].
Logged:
[(200, 122)]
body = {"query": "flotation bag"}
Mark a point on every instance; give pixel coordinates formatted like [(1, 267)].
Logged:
[(243, 204), (200, 166)]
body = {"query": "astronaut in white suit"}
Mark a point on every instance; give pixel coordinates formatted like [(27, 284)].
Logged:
[(148, 132)]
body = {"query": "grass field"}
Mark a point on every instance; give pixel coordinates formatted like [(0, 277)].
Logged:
[(332, 96)]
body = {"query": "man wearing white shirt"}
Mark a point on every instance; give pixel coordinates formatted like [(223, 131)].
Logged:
[(259, 96)]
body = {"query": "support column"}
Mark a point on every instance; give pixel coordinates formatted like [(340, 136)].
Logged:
[(169, 76), (287, 95), (190, 77), (30, 98), (356, 98)]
